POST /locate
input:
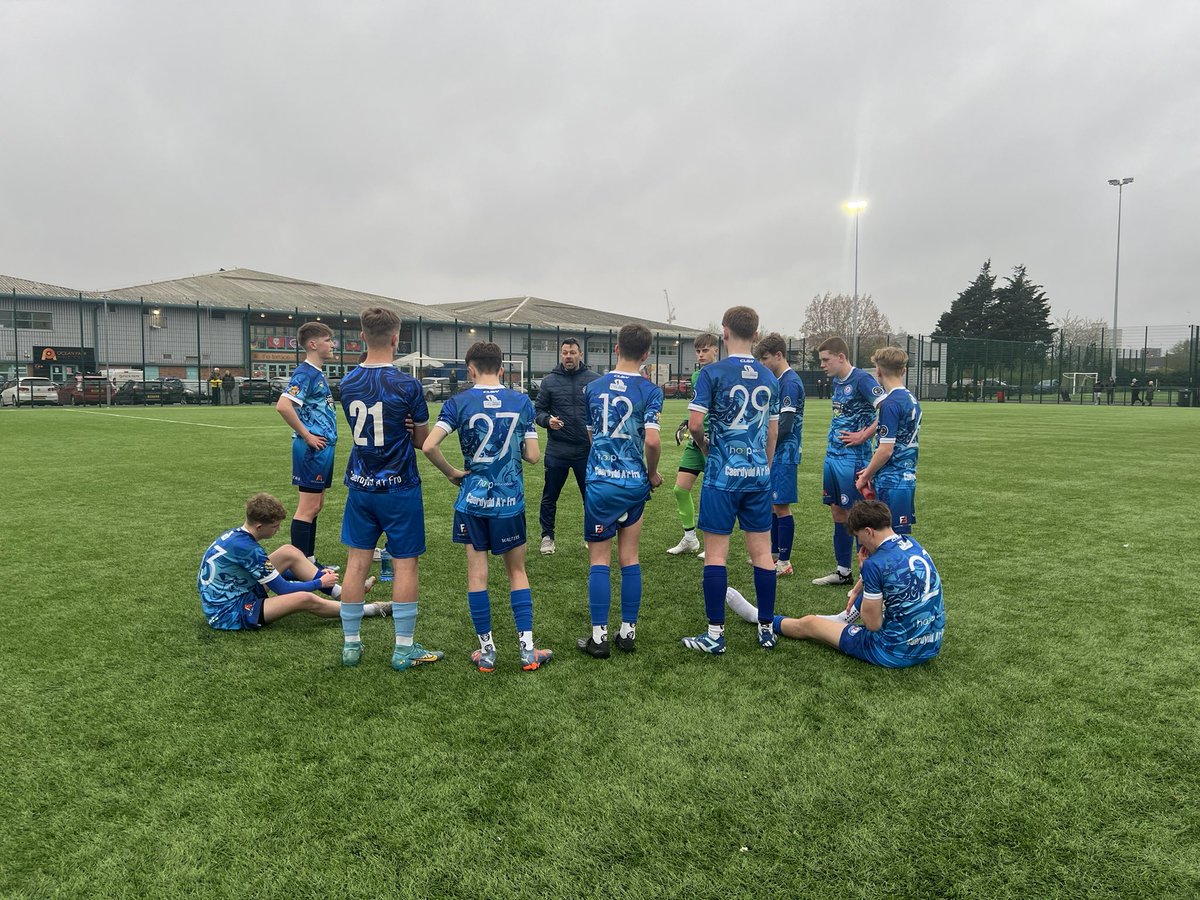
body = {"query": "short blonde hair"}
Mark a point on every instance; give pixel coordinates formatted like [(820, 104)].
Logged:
[(891, 360)]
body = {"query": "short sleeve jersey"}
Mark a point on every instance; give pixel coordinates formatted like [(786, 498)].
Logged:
[(901, 574), (741, 398), (232, 573), (899, 424), (492, 424), (315, 406), (791, 399), (854, 400), (377, 399), (620, 407)]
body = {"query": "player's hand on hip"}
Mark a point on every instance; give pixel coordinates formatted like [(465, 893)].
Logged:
[(315, 441), (456, 478), (853, 438), (556, 423)]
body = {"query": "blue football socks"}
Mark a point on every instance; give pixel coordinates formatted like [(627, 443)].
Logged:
[(599, 594), (716, 582), (480, 605), (843, 546), (631, 592), (786, 534), (765, 582), (352, 616), (404, 617)]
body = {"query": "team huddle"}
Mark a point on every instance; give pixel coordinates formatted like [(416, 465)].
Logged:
[(744, 428)]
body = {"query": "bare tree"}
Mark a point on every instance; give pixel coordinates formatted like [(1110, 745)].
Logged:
[(832, 315), (1079, 331)]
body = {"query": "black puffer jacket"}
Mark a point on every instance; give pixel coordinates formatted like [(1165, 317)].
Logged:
[(561, 394)]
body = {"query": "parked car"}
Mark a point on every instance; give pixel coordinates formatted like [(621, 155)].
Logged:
[(92, 389), (436, 388), (30, 391), (141, 393), (535, 385), (677, 389), (1048, 386), (257, 390)]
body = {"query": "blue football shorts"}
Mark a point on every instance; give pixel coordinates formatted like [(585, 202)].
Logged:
[(900, 494), (401, 516), (837, 481), (499, 535), (783, 482), (312, 469), (608, 509), (720, 509)]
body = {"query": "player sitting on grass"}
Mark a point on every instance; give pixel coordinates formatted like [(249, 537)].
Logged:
[(740, 397), (623, 410), (772, 353), (236, 574), (495, 428), (691, 464), (307, 406), (901, 611), (384, 487)]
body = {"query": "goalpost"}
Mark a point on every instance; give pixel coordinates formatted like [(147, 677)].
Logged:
[(1079, 382)]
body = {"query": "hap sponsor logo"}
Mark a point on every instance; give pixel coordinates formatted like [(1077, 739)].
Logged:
[(748, 371)]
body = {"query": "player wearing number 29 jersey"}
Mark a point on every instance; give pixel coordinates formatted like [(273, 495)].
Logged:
[(385, 489), (741, 398)]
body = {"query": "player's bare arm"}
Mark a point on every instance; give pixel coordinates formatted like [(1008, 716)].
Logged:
[(696, 429), (530, 450), (287, 409), (855, 438), (433, 452), (653, 449), (878, 460)]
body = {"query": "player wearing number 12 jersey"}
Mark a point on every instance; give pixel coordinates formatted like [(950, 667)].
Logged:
[(384, 495), (623, 417), (741, 398), (495, 430)]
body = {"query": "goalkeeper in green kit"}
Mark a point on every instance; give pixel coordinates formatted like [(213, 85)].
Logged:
[(691, 465)]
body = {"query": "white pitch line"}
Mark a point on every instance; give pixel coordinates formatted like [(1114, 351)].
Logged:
[(92, 412)]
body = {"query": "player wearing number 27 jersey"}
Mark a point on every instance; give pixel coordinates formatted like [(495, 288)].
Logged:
[(385, 488)]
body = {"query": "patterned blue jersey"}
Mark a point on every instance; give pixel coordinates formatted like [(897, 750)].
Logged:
[(309, 391), (741, 397), (901, 573), (791, 399), (899, 424), (232, 575), (492, 425), (854, 400), (377, 399), (620, 407)]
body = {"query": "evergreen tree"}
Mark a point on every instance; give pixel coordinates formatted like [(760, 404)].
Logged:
[(1021, 311), (971, 312)]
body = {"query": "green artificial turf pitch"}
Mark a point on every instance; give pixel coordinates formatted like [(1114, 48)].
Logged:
[(1051, 750)]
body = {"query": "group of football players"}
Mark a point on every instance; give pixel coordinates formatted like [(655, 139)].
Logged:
[(743, 432)]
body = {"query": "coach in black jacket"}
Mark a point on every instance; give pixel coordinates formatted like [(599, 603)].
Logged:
[(562, 411)]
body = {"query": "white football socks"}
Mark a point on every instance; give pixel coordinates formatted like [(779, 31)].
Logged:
[(741, 605)]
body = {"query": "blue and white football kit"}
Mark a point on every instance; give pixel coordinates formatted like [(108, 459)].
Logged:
[(493, 423), (312, 470), (741, 398), (901, 574), (896, 481), (786, 462), (385, 488), (620, 407), (854, 400), (231, 581)]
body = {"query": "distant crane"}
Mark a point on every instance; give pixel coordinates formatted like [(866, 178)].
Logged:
[(670, 308)]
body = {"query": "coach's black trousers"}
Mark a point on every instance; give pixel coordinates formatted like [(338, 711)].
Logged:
[(557, 471)]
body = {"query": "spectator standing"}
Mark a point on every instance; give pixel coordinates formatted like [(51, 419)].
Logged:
[(228, 383), (1111, 387), (562, 411), (1149, 394), (1096, 392), (214, 387), (1135, 393)]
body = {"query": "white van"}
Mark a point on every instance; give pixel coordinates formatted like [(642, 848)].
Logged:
[(120, 376)]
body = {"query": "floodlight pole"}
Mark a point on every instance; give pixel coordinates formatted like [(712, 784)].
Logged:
[(855, 207), (1119, 184)]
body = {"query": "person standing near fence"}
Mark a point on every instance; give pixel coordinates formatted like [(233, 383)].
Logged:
[(1135, 393), (1149, 394), (214, 387), (228, 383), (1111, 388)]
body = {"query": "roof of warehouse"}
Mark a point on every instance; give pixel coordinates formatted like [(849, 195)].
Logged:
[(543, 314)]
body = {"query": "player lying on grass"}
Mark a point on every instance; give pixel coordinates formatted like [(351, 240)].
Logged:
[(495, 428), (623, 415), (236, 574), (898, 619)]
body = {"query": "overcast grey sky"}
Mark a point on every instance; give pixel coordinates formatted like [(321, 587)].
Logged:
[(597, 153)]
